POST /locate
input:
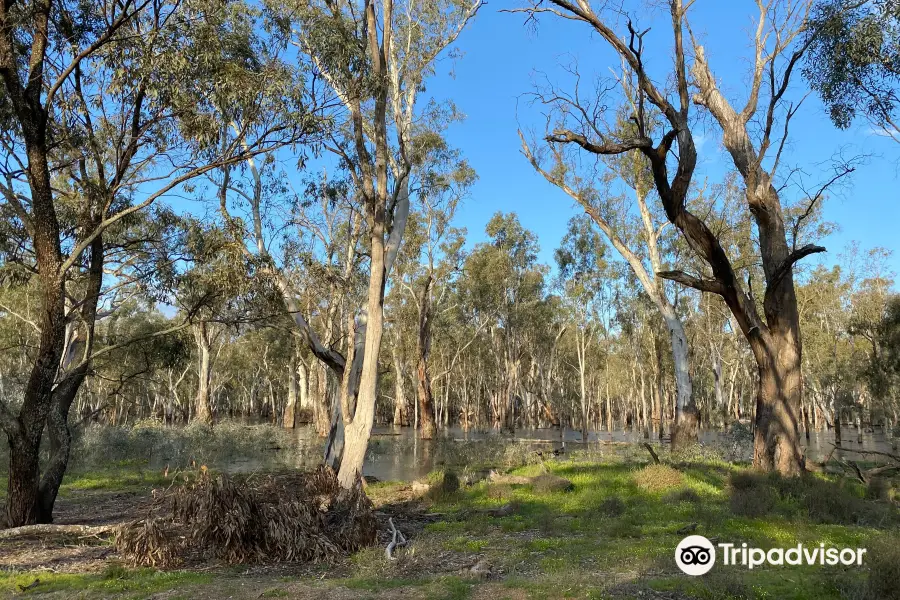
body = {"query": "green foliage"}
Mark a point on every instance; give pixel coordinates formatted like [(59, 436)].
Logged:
[(814, 498), (883, 559), (853, 60)]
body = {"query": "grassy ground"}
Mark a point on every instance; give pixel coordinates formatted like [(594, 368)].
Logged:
[(612, 535)]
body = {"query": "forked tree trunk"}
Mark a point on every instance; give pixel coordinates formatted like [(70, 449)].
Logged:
[(358, 419), (24, 433), (80, 344)]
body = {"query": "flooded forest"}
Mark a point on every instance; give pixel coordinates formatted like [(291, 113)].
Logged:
[(442, 299)]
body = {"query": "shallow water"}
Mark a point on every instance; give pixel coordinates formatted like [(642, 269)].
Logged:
[(398, 454)]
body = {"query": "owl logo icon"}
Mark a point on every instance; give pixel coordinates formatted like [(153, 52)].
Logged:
[(695, 555)]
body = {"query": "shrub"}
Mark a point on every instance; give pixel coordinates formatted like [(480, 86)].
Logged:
[(500, 491), (883, 558), (820, 500), (685, 495), (658, 478), (548, 483), (753, 502), (442, 484), (612, 506), (879, 488)]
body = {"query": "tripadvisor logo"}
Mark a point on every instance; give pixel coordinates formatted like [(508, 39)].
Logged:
[(696, 555)]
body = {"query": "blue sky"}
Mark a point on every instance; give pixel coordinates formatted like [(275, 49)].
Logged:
[(501, 57)]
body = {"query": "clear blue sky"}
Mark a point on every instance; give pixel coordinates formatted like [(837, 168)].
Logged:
[(502, 55)]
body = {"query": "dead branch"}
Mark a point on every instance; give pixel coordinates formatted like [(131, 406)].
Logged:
[(893, 457), (50, 529), (652, 453), (397, 540), (712, 286)]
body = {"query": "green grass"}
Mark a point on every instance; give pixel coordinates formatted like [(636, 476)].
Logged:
[(119, 478), (612, 536), (115, 580), (566, 536)]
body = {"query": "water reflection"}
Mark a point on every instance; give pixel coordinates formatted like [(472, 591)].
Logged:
[(398, 454)]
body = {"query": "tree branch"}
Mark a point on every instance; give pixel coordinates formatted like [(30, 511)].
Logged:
[(704, 285)]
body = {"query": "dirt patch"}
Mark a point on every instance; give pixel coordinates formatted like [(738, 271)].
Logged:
[(79, 554), (76, 554)]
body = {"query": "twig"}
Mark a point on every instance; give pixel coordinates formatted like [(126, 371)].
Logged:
[(397, 540)]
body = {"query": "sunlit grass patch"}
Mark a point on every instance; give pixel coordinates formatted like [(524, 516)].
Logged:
[(111, 480), (130, 583)]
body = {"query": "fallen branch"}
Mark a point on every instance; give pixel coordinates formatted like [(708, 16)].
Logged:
[(893, 457), (859, 473), (881, 470), (50, 529), (397, 540), (652, 453)]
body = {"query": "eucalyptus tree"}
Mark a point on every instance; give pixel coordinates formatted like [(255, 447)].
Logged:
[(853, 61), (105, 111), (374, 59), (434, 254), (637, 238), (504, 280), (581, 263), (757, 153)]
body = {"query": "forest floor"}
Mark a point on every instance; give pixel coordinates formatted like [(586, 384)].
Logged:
[(524, 534)]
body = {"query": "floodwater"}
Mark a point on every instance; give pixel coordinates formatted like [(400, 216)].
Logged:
[(397, 453)]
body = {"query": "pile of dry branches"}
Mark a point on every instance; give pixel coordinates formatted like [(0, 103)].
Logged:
[(308, 517)]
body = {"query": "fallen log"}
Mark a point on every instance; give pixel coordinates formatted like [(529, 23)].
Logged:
[(51, 529)]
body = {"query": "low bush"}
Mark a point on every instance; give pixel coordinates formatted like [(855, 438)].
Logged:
[(612, 506), (752, 502), (547, 483), (658, 478), (685, 495), (308, 517), (883, 559), (820, 500)]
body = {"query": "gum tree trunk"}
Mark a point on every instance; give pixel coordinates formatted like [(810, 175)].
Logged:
[(423, 377), (25, 430), (204, 374), (685, 428), (289, 421), (401, 411)]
